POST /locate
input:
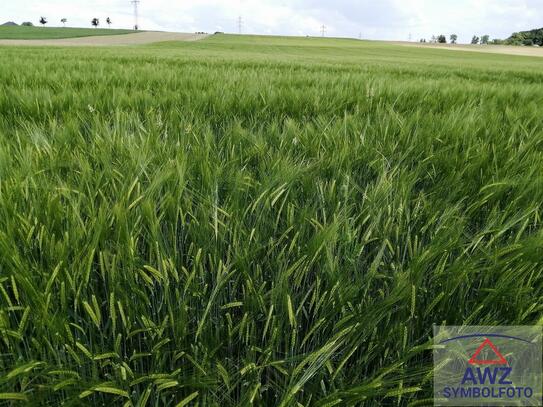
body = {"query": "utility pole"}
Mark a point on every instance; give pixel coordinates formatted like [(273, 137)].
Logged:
[(135, 3), (323, 30), (240, 24)]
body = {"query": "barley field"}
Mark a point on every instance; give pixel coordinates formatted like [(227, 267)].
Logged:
[(260, 221)]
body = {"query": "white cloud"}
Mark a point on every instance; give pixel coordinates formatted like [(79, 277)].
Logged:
[(384, 19)]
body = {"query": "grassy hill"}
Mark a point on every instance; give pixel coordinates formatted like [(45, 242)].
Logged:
[(42, 33), (255, 220)]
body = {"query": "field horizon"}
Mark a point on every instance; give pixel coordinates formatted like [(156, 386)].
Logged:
[(37, 33), (74, 36), (268, 221)]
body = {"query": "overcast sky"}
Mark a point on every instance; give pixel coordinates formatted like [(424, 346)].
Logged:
[(372, 19)]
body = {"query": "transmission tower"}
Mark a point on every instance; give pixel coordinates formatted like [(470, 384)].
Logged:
[(240, 24), (135, 3), (323, 30)]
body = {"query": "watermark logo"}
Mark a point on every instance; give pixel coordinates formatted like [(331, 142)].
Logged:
[(500, 361), (488, 366)]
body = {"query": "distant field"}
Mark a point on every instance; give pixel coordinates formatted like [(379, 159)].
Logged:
[(42, 33), (133, 38), (260, 221), (493, 49)]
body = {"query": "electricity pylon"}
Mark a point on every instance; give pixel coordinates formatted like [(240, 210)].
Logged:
[(135, 3)]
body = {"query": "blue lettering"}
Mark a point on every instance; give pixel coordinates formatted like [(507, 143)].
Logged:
[(465, 392), (506, 372), (468, 375), (476, 392), (487, 374)]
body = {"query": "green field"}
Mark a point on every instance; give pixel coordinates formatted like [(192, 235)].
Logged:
[(46, 33), (266, 221)]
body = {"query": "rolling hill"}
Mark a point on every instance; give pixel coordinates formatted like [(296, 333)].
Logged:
[(41, 33)]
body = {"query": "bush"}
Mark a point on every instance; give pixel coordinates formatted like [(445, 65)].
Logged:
[(27, 24)]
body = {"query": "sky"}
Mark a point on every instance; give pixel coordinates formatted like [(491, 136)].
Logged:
[(368, 19)]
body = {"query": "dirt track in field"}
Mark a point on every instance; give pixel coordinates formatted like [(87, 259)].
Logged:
[(492, 49), (106, 40)]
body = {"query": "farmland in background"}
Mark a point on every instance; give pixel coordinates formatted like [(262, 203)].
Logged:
[(46, 33), (260, 220)]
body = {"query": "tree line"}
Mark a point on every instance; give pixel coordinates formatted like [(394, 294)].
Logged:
[(95, 22), (527, 38), (453, 38)]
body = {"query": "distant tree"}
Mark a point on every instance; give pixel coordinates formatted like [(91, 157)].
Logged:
[(441, 39), (43, 21), (454, 38), (475, 40), (27, 24), (423, 40), (516, 38), (95, 22), (108, 21), (524, 37), (485, 39), (64, 21), (528, 42)]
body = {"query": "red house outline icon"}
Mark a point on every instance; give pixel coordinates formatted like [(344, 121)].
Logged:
[(487, 342)]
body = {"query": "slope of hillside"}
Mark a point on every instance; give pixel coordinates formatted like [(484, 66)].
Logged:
[(37, 33), (133, 38)]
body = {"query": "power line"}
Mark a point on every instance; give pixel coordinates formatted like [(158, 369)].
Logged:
[(323, 30), (135, 3)]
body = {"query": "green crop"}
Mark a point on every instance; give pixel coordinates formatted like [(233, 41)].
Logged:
[(44, 33), (267, 221)]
